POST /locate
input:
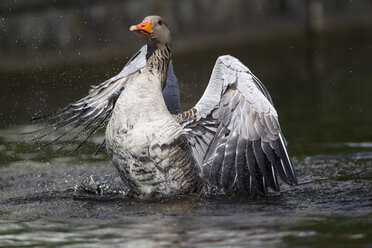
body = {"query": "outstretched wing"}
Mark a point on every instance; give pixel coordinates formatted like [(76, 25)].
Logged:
[(235, 135), (91, 113)]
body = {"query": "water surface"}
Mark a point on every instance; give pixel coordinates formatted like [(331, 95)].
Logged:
[(323, 96)]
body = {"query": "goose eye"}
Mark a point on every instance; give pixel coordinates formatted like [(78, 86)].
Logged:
[(160, 22)]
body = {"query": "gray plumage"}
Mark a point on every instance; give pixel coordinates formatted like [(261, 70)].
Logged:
[(91, 113), (247, 129), (230, 140)]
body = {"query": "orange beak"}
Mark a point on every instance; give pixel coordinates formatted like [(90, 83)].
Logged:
[(143, 28)]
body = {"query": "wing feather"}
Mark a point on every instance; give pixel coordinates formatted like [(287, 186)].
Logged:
[(218, 156), (256, 175), (228, 175), (244, 178), (247, 150), (91, 113)]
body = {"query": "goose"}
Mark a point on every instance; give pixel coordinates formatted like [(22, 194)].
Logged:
[(230, 141)]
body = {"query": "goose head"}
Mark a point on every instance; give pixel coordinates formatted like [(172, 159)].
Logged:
[(154, 29)]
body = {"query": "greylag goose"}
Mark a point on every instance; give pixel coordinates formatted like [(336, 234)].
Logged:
[(229, 141)]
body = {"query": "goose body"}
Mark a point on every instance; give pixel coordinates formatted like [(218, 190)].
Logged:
[(146, 146), (229, 141)]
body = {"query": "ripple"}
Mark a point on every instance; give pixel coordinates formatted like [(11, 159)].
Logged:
[(74, 200), (351, 144)]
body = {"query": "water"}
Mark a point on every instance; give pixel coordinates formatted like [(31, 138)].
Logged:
[(323, 99)]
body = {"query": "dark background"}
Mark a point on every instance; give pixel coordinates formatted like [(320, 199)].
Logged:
[(313, 56)]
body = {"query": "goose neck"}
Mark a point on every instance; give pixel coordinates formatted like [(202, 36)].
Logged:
[(158, 60)]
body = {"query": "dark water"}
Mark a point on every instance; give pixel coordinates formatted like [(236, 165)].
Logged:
[(322, 91)]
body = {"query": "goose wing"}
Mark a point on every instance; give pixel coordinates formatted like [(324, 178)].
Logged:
[(91, 113), (235, 136), (171, 92)]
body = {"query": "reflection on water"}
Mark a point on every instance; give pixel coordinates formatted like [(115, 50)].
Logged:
[(144, 232), (324, 112), (173, 231)]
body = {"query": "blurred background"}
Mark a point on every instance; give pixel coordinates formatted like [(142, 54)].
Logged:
[(313, 56)]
